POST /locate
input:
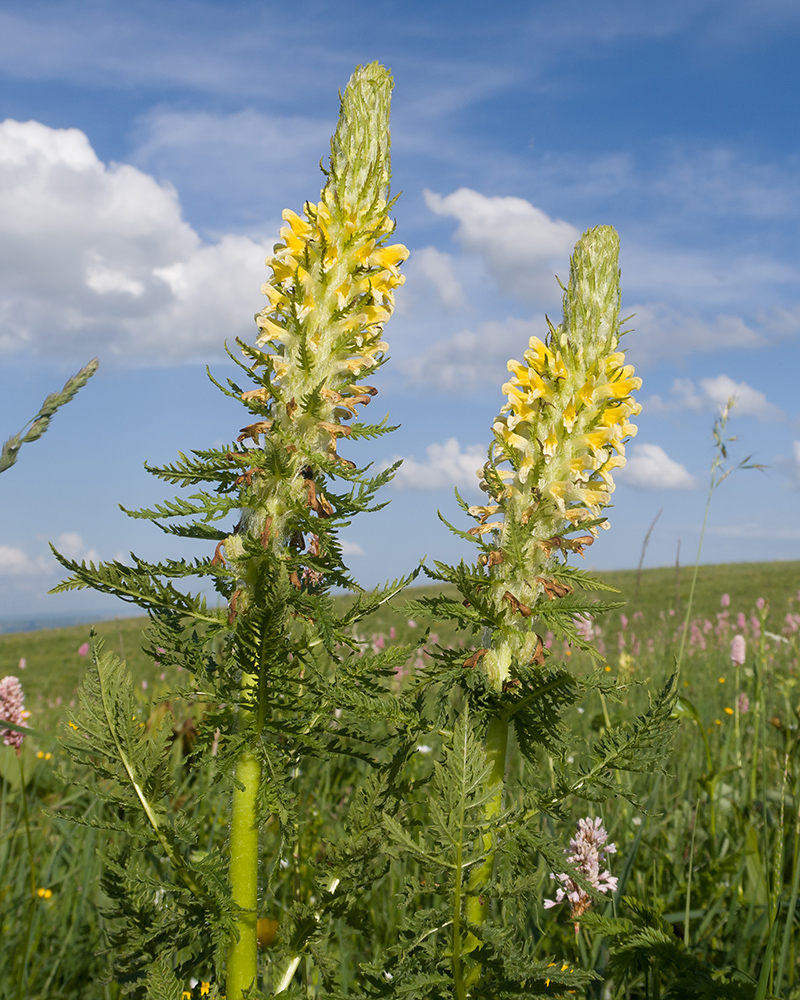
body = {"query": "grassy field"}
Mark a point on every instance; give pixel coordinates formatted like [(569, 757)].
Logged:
[(54, 666), (714, 859)]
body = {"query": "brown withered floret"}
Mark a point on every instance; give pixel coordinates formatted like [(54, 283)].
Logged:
[(232, 607), (475, 658), (516, 605), (254, 431), (553, 588), (246, 477)]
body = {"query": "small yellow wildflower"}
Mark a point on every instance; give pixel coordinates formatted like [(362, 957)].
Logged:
[(44, 893), (722, 680), (73, 726), (728, 711), (43, 756), (186, 995), (607, 669), (717, 722), (204, 989)]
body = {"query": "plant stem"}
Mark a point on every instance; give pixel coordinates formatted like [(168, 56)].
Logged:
[(242, 953), (477, 904), (32, 904)]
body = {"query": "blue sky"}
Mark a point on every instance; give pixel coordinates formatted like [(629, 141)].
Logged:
[(146, 153)]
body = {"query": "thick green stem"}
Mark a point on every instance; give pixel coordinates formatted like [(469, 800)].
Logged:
[(242, 954), (477, 903)]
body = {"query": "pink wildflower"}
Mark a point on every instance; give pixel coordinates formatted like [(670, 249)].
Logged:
[(12, 710), (23, 663), (84, 649), (761, 603), (725, 600), (738, 651), (743, 703), (392, 632), (589, 850), (584, 627)]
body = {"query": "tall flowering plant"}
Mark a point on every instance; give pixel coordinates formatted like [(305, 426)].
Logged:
[(272, 664), (548, 478)]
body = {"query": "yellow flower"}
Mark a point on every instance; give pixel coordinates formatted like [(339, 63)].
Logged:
[(728, 711), (44, 893), (204, 989)]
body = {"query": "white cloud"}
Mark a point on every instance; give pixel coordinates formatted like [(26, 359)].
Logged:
[(97, 258), (16, 562), (471, 359), (791, 465), (437, 269), (520, 244), (72, 545), (663, 333), (713, 394), (749, 401), (649, 467), (757, 530), (350, 548), (446, 465)]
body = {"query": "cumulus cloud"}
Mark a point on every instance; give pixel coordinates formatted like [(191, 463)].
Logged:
[(15, 561), (752, 529), (350, 548), (790, 465), (713, 394), (446, 465), (72, 545), (521, 245), (663, 333), (97, 258), (436, 269), (649, 467), (472, 358)]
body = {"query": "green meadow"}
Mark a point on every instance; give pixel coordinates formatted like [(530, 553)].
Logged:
[(712, 862)]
